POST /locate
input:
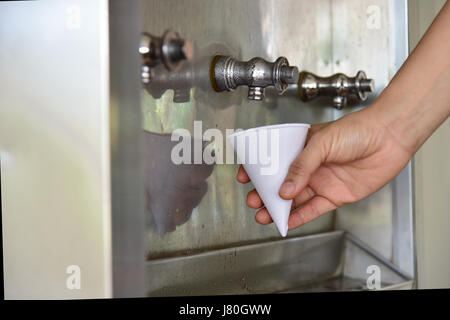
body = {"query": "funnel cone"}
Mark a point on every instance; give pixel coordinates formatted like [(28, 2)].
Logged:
[(266, 154)]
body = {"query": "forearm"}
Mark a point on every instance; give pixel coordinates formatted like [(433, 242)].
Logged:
[(417, 100)]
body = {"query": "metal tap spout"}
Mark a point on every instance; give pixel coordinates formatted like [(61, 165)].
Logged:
[(228, 73), (338, 86)]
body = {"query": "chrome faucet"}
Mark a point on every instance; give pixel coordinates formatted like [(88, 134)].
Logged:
[(338, 86), (228, 73), (169, 49)]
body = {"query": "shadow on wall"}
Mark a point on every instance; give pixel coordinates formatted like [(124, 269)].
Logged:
[(172, 191)]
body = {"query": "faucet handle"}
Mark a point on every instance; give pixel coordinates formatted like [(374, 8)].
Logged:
[(338, 86), (169, 49), (228, 73)]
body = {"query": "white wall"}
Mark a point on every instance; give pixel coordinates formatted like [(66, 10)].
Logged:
[(432, 179)]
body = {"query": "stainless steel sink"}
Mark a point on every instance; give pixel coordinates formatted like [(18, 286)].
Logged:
[(332, 261)]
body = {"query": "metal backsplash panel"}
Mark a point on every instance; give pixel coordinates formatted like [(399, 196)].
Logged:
[(373, 35), (298, 30), (324, 37)]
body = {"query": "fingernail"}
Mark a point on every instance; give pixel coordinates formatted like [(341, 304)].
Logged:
[(287, 188)]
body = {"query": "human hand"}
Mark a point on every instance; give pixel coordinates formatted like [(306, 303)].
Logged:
[(343, 161), (348, 159)]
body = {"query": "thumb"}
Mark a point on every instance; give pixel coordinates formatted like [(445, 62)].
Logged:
[(300, 171)]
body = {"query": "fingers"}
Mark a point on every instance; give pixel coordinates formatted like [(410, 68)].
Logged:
[(315, 128), (253, 200), (318, 126), (242, 176), (263, 216), (309, 211), (306, 194), (302, 168)]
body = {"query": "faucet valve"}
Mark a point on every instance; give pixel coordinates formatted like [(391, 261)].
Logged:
[(228, 73), (170, 49), (338, 86)]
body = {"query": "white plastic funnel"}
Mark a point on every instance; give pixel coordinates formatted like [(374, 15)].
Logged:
[(266, 154)]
